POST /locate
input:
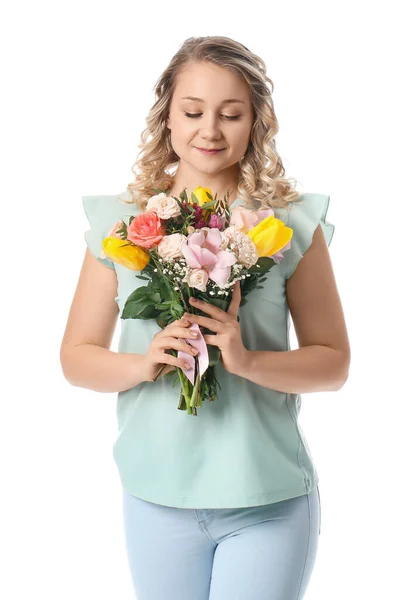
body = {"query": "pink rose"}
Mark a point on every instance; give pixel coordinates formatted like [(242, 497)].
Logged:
[(245, 218), (145, 230)]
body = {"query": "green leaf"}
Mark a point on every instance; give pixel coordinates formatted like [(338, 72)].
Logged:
[(220, 302), (180, 205), (209, 204), (162, 305), (139, 302), (176, 307), (183, 195), (214, 355), (137, 310), (163, 320), (262, 266), (154, 297)]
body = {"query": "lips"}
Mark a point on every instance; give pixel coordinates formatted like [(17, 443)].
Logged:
[(212, 151)]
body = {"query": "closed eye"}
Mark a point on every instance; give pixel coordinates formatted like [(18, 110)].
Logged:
[(195, 115)]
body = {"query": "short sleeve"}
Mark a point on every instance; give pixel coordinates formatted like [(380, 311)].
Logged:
[(304, 216), (102, 213)]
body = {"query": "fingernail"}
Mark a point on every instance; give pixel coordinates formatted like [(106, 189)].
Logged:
[(187, 366), (194, 334)]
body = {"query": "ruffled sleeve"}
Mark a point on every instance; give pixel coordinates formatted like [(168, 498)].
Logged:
[(102, 213), (304, 215)]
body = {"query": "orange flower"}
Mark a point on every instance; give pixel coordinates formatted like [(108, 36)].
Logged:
[(146, 230)]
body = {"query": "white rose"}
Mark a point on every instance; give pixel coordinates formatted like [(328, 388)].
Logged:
[(227, 237), (165, 206), (242, 245), (197, 278), (170, 245)]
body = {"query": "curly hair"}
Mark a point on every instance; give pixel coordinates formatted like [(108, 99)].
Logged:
[(261, 172)]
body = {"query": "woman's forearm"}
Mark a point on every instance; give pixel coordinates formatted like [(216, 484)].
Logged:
[(306, 369), (96, 368)]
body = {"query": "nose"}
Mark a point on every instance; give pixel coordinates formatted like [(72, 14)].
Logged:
[(209, 129)]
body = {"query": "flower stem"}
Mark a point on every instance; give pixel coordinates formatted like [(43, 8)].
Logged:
[(159, 372), (185, 390)]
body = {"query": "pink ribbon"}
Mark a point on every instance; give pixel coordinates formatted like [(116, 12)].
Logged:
[(203, 356)]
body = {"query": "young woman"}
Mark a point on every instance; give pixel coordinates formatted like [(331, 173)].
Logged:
[(225, 506)]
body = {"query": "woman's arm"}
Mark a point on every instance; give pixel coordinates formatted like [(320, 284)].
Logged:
[(102, 370), (85, 356), (321, 363), (310, 369)]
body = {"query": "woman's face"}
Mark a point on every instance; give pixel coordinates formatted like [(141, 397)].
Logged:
[(216, 123)]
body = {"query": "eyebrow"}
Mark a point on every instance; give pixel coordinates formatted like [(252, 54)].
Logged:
[(228, 101)]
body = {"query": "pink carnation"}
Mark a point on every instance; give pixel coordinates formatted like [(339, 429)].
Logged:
[(113, 231), (215, 221), (245, 218)]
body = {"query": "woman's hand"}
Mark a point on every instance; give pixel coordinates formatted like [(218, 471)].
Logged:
[(165, 339), (228, 338)]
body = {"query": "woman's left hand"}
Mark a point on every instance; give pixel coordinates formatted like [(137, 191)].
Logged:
[(228, 332)]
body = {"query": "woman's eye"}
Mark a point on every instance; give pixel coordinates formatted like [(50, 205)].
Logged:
[(195, 115)]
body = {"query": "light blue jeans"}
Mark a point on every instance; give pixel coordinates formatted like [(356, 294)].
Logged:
[(253, 553)]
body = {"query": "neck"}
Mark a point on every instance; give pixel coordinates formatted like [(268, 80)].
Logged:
[(219, 185)]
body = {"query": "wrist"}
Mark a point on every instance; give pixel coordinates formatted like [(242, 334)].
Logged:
[(144, 368), (244, 364)]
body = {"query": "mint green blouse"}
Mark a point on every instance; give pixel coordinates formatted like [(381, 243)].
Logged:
[(244, 449)]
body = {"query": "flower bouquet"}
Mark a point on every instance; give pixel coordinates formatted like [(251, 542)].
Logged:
[(195, 247)]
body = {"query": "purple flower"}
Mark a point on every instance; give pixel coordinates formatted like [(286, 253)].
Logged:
[(199, 223), (215, 221)]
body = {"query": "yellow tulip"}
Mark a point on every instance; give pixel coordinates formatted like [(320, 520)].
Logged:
[(124, 254), (200, 193), (270, 235)]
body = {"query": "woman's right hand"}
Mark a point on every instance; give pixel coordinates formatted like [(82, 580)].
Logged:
[(164, 340)]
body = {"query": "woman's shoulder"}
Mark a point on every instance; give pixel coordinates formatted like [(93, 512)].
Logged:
[(309, 210), (103, 211), (303, 216), (104, 207)]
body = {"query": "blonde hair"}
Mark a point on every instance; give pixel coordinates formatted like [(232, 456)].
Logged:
[(262, 174)]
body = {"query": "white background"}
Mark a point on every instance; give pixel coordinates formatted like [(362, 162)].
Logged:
[(77, 85)]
